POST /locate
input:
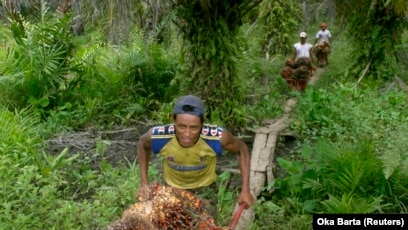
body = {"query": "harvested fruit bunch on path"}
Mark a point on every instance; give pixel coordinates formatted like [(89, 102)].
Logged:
[(322, 47), (286, 72), (302, 68), (302, 72), (290, 63), (166, 207), (303, 61)]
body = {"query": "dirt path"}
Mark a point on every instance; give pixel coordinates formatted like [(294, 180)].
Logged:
[(316, 76), (117, 146)]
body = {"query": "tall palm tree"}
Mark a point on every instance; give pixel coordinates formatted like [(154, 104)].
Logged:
[(209, 30)]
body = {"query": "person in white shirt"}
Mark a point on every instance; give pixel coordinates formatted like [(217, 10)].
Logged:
[(302, 48), (324, 35)]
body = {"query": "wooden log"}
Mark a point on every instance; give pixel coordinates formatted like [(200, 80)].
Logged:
[(257, 182), (256, 157), (262, 158), (263, 152), (269, 175)]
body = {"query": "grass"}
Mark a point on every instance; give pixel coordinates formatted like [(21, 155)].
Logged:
[(41, 191)]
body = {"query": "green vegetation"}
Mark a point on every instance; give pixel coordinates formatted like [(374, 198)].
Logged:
[(376, 34), (42, 191), (350, 157)]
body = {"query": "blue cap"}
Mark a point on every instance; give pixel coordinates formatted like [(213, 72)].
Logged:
[(189, 104)]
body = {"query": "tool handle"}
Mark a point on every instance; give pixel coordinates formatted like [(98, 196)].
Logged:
[(236, 216)]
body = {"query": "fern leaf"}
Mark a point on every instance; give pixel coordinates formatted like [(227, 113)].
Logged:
[(391, 160)]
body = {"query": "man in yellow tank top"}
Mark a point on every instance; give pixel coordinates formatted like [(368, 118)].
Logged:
[(189, 150)]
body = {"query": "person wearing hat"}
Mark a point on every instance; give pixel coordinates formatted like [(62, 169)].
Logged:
[(324, 35), (302, 48), (189, 148)]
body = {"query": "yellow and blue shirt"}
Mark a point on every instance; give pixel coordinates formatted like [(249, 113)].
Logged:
[(192, 167)]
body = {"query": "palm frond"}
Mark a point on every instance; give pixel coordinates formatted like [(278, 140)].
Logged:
[(38, 59), (391, 161), (395, 154)]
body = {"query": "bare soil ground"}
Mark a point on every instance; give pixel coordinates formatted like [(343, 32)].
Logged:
[(117, 146), (316, 76)]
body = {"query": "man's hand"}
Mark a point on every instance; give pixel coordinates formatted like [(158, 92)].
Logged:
[(143, 193), (247, 198)]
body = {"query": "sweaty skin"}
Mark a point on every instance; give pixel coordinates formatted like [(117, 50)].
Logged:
[(188, 129)]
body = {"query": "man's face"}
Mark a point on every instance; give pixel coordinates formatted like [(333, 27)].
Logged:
[(323, 27), (188, 129)]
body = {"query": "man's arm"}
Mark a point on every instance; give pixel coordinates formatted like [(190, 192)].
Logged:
[(236, 146), (144, 151)]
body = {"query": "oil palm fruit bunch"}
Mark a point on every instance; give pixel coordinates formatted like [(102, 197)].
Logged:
[(302, 72), (322, 47), (303, 61), (166, 207), (286, 72), (290, 63)]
